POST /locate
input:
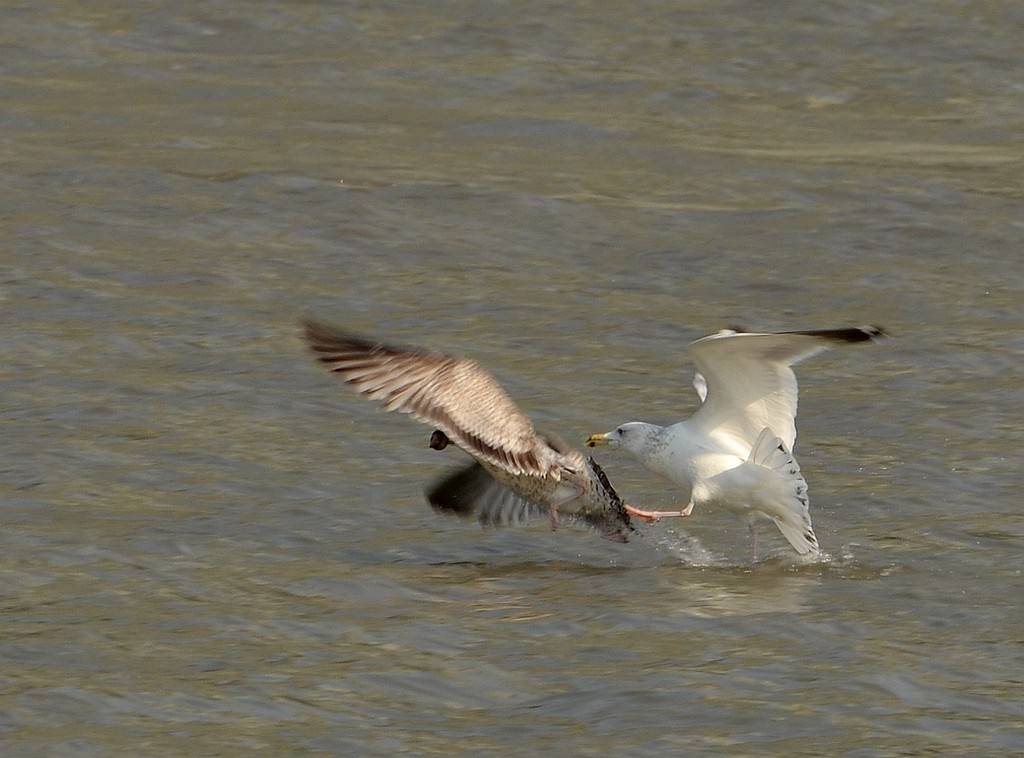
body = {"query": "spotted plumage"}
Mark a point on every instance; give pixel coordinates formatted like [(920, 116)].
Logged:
[(472, 411)]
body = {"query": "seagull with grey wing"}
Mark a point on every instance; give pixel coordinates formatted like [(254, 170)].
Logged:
[(517, 472), (737, 449)]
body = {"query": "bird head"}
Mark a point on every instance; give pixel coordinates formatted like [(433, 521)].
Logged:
[(632, 436), (439, 440)]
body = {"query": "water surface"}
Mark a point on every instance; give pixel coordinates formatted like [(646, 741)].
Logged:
[(210, 547)]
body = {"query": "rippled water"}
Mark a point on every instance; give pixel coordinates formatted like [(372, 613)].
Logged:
[(209, 547)]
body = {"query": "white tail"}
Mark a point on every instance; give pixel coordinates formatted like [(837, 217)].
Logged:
[(791, 511)]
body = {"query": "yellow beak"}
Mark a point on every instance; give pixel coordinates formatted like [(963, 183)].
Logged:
[(596, 439)]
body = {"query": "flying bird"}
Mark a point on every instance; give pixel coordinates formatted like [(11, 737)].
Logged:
[(737, 449), (517, 472)]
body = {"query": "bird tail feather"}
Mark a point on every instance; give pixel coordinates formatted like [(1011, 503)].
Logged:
[(793, 519)]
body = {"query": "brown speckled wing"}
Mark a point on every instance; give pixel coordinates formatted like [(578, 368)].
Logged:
[(454, 394)]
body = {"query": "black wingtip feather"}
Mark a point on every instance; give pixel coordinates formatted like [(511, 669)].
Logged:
[(849, 334), (846, 334), (324, 338)]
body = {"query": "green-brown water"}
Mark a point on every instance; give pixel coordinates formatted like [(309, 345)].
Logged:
[(208, 548)]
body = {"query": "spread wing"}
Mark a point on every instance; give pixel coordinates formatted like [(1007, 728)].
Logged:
[(749, 385), (454, 394), (472, 492)]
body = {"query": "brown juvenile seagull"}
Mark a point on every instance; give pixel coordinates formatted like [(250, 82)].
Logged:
[(517, 473), (737, 449)]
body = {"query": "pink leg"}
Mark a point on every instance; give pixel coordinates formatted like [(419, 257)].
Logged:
[(651, 516), (553, 508)]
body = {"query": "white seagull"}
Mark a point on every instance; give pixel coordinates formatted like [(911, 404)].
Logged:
[(737, 449), (517, 472)]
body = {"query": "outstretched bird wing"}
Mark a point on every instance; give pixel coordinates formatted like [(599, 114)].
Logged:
[(749, 385), (452, 393)]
